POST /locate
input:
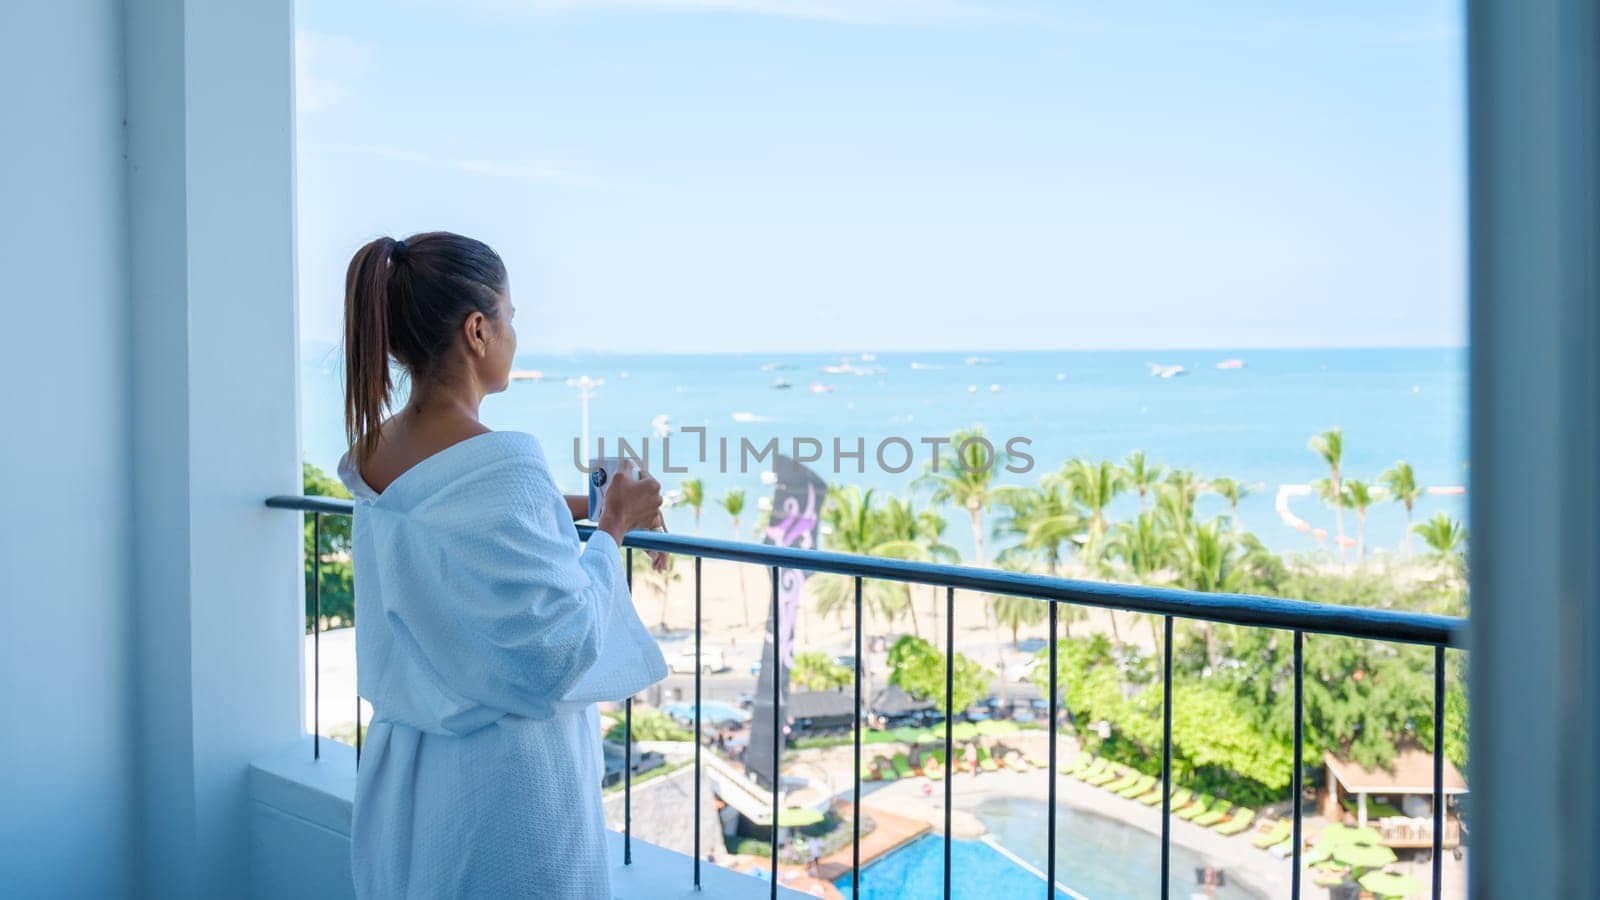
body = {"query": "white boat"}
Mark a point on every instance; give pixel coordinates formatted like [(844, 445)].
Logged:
[(818, 387), (920, 366), (979, 360), (1231, 364), (1161, 371)]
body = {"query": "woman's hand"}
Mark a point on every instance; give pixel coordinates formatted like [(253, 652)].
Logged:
[(631, 503)]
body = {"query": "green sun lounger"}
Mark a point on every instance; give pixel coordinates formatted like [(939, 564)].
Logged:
[(1090, 768), (1141, 785), (1106, 775), (933, 765), (1276, 833), (902, 766), (884, 768), (1214, 815), (1151, 797), (1239, 821), (1200, 806), (1180, 798), (1130, 777)]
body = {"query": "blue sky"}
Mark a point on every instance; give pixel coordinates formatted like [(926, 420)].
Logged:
[(705, 175)]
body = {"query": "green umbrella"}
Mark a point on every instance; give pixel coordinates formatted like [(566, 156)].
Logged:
[(1319, 853), (1364, 856), (1391, 884), (909, 735), (797, 817), (963, 731)]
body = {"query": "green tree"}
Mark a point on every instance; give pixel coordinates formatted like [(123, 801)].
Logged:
[(1142, 549), (1330, 446), (1095, 485), (733, 505), (1358, 496), (650, 725), (692, 493), (964, 477), (660, 583), (917, 667), (1045, 521), (814, 671), (908, 533), (1446, 539), (338, 583), (1401, 482), (854, 525), (1142, 476), (1232, 491)]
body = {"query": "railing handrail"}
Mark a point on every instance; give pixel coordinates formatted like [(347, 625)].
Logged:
[(1233, 609)]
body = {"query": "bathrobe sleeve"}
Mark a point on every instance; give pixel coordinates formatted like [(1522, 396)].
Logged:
[(520, 617)]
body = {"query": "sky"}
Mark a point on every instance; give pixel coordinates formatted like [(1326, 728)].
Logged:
[(851, 175)]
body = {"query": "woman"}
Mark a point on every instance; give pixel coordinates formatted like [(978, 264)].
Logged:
[(484, 633)]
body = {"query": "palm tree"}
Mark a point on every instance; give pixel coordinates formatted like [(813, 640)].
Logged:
[(1096, 484), (1231, 491), (1044, 520), (965, 478), (1209, 561), (1185, 487), (693, 493), (1015, 612), (733, 504), (904, 532), (1444, 536), (1359, 497), (854, 526), (1330, 446), (1141, 475), (1144, 548), (659, 582), (1401, 481)]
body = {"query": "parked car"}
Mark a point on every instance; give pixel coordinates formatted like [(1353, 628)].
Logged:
[(712, 659)]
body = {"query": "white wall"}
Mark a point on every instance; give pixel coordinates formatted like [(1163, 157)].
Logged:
[(149, 603), (65, 760)]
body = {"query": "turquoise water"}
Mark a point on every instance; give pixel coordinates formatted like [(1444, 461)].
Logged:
[(1251, 423), (1096, 857)]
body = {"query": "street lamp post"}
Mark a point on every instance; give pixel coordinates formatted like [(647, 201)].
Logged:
[(586, 387)]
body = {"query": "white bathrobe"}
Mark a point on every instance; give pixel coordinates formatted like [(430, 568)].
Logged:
[(485, 633)]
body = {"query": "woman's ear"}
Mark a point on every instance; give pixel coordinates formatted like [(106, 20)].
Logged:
[(476, 332)]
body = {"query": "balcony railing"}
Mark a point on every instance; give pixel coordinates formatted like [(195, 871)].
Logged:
[(1298, 617)]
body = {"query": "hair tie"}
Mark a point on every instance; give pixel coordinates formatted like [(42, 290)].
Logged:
[(398, 252)]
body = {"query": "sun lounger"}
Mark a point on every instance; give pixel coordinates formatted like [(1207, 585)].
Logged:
[(1140, 786), (933, 765), (1180, 798), (1239, 821), (884, 768), (1151, 797), (1016, 763), (1108, 774), (902, 766), (1200, 806), (1130, 777), (985, 761), (1089, 768), (1216, 814), (1276, 833)]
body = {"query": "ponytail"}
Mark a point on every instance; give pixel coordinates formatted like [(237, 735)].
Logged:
[(366, 345), (405, 299)]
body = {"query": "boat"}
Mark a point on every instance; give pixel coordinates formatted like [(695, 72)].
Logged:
[(869, 357), (527, 375), (920, 366), (746, 417), (994, 388), (1161, 371), (1231, 364), (979, 360), (782, 384), (818, 387)]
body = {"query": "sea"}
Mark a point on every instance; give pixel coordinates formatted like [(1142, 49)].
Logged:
[(1243, 414)]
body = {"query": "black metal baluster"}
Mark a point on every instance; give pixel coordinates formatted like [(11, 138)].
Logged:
[(316, 636), (855, 795), (358, 699), (1438, 770), (698, 735), (1166, 757), (1050, 845), (1299, 749), (777, 723), (627, 750), (949, 716)]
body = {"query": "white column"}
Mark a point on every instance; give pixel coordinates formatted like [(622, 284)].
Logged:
[(215, 425), (1535, 224)]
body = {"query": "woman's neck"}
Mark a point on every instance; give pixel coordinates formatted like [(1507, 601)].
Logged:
[(433, 400)]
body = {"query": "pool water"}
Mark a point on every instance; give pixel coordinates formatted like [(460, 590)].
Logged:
[(1096, 857)]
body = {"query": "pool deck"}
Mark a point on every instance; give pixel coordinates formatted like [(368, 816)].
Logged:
[(890, 832)]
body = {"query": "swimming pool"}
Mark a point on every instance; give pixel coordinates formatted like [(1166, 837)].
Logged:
[(1096, 857)]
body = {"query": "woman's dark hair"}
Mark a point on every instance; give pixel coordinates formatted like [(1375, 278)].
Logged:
[(406, 299)]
